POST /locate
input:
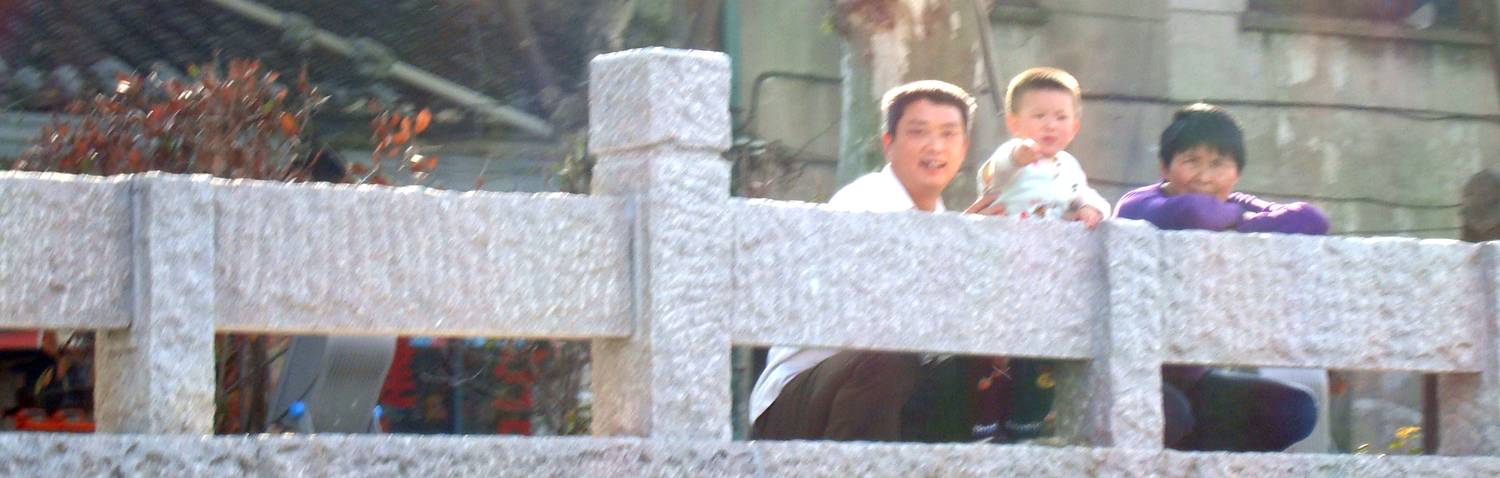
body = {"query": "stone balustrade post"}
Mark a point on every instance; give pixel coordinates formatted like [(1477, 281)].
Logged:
[(157, 375), (658, 122), (1123, 395), (1469, 403)]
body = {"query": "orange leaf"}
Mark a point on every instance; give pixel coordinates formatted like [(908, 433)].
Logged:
[(424, 118), (400, 137), (423, 164), (359, 168), (289, 125), (134, 161)]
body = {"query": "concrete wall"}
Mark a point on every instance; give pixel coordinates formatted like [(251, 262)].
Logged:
[(1177, 51), (793, 36)]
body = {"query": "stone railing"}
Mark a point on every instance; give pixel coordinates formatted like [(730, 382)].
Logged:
[(665, 273)]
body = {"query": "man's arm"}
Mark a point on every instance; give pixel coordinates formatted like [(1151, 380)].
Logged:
[(1179, 212)]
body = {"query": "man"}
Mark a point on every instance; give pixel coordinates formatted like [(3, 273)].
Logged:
[(854, 395)]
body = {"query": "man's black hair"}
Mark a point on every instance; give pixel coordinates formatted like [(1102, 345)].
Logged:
[(893, 104)]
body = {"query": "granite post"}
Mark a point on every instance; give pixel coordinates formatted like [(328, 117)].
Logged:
[(658, 122)]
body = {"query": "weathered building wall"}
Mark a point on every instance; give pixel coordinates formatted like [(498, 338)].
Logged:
[(1399, 120)]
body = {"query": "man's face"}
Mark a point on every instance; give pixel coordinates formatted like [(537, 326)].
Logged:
[(1047, 116), (928, 146), (1202, 169)]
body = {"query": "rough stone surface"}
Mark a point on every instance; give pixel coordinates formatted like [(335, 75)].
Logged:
[(461, 456), (672, 378), (875, 459), (157, 376), (371, 260), (48, 454), (1325, 302), (658, 123), (1125, 407), (656, 96), (64, 251), (809, 275), (1469, 404), (25, 455), (1185, 465)]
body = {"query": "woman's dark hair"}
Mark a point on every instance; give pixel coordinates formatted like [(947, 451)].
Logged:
[(1203, 124)]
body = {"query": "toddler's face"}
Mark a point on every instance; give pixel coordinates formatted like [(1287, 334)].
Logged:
[(1047, 117)]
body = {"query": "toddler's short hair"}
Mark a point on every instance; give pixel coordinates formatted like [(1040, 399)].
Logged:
[(1041, 78)]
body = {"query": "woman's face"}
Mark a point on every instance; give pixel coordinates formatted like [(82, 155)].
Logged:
[(1202, 169)]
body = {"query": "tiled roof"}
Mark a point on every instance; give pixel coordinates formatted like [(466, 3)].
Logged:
[(52, 51)]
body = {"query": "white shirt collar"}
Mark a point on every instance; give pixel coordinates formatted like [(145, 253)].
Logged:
[(879, 191), (890, 175)]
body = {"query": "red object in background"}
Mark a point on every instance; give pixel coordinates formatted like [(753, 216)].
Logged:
[(514, 426), (400, 387), (21, 340), (35, 420)]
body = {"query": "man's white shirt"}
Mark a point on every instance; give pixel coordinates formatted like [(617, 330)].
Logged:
[(875, 192)]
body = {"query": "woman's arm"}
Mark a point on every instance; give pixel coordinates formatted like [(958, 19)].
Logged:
[(1182, 211), (1294, 218)]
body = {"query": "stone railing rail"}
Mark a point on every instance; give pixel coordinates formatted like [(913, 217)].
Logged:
[(665, 273)]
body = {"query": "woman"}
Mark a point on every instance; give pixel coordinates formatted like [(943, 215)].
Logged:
[(1202, 154)]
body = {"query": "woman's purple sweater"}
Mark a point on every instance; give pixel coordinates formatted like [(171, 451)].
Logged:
[(1241, 212)]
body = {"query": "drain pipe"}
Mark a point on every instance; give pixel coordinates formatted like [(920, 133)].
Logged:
[(986, 47), (362, 49)]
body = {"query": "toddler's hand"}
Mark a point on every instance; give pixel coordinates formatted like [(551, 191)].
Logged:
[(1089, 216), (1025, 153)]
